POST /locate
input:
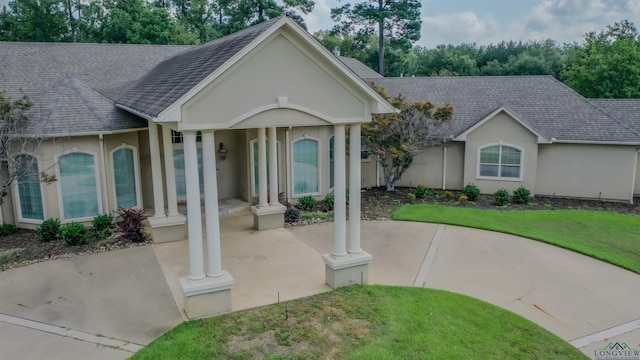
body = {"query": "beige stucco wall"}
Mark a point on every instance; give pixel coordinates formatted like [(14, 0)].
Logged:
[(590, 171), (273, 70), (428, 165), (501, 129), (636, 189)]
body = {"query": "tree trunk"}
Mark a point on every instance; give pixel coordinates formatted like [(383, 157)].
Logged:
[(391, 182), (380, 40)]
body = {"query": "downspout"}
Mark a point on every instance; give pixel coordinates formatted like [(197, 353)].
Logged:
[(633, 177), (444, 168), (377, 174), (288, 172), (103, 175)]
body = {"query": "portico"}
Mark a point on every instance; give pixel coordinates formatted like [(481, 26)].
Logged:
[(278, 78)]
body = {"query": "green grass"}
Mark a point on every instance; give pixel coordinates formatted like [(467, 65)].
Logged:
[(370, 322), (608, 236)]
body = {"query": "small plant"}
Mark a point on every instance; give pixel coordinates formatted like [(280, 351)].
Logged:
[(291, 215), (7, 229), (521, 195), (411, 196), (327, 203), (49, 230), (463, 199), (471, 191), (102, 226), (423, 192), (132, 226), (306, 203), (547, 206), (449, 195), (501, 197), (74, 234)]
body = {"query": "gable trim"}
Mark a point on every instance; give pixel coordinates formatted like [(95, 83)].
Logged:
[(541, 138)]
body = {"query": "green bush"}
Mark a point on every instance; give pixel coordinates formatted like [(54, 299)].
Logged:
[(411, 196), (74, 234), (306, 203), (102, 226), (449, 195), (132, 226), (501, 197), (471, 191), (521, 195), (328, 202), (422, 192), (7, 229), (49, 230)]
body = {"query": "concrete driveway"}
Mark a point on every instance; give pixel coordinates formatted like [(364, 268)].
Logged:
[(116, 302)]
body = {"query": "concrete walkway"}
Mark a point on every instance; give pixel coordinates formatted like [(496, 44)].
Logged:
[(106, 306)]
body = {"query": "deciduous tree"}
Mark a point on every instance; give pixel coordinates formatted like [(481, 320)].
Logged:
[(393, 140)]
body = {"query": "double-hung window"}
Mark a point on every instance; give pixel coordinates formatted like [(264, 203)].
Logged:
[(500, 162)]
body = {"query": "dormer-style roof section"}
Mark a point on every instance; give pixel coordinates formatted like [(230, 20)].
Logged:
[(547, 106), (540, 136), (159, 95)]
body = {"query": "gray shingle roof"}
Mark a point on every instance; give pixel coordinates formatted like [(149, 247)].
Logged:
[(73, 85), (359, 68), (543, 102), (174, 77), (627, 110)]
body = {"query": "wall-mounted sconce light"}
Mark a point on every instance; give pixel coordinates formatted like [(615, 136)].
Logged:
[(223, 151)]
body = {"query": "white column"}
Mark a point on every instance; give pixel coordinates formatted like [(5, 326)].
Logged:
[(169, 172), (156, 170), (340, 196), (211, 203), (196, 258), (273, 166), (354, 189), (262, 168)]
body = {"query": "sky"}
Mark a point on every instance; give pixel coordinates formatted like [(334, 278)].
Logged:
[(491, 21)]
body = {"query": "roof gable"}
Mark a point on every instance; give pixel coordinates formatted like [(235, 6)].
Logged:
[(463, 136), (159, 95)]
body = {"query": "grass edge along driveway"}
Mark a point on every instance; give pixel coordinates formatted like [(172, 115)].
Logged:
[(365, 322), (604, 235)]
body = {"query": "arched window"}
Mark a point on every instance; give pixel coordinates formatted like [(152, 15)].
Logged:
[(29, 192), (305, 167), (501, 162), (125, 177), (78, 186)]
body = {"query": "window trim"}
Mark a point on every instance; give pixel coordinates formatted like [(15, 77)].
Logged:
[(318, 155), (16, 197), (499, 177), (252, 175), (96, 171), (136, 171)]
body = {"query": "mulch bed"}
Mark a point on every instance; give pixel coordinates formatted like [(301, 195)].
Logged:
[(22, 248)]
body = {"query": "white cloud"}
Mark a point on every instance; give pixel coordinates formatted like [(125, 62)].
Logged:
[(457, 28), (569, 20), (319, 18)]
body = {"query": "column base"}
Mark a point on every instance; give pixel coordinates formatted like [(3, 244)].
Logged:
[(347, 270), (168, 228), (207, 297), (270, 217)]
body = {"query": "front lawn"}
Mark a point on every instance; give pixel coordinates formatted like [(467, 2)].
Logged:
[(608, 236), (370, 322)]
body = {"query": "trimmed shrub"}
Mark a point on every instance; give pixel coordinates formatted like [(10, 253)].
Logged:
[(7, 229), (132, 226), (102, 226), (411, 196), (521, 195), (74, 234), (422, 191), (49, 230), (501, 197), (449, 195), (471, 191), (291, 215), (306, 203), (328, 202)]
